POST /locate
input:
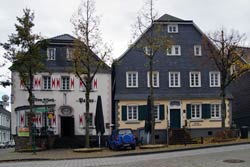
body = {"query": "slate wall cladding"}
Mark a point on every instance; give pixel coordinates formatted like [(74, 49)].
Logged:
[(187, 37), (241, 109)]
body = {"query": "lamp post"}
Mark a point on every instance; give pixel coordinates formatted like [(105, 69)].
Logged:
[(45, 101)]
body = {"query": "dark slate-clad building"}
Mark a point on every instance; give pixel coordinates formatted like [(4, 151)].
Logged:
[(240, 90), (186, 84)]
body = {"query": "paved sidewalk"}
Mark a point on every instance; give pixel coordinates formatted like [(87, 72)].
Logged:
[(60, 154)]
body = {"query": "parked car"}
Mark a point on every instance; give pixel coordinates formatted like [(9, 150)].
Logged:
[(121, 138), (3, 145)]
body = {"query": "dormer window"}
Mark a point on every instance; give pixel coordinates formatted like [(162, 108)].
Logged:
[(197, 50), (69, 54), (51, 54), (172, 28)]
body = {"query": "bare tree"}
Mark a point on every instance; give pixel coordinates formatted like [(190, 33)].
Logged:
[(153, 40), (87, 46), (227, 53), (23, 50)]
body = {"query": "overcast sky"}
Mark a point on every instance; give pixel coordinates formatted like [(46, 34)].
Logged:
[(52, 18)]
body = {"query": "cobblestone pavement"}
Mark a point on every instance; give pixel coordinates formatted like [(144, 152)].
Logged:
[(211, 157)]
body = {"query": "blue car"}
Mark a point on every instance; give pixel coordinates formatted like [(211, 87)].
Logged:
[(122, 138)]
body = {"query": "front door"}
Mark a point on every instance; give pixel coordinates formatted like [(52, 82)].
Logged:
[(175, 118), (67, 126)]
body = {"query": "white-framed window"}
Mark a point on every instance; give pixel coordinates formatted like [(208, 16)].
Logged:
[(195, 79), (157, 112), (46, 82), (214, 79), (216, 111), (155, 79), (195, 111), (173, 28), (132, 113), (174, 50), (132, 79), (174, 79), (65, 83), (197, 50), (148, 51), (69, 53), (51, 53)]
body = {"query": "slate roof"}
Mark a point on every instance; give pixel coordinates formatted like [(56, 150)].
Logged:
[(63, 37), (170, 18)]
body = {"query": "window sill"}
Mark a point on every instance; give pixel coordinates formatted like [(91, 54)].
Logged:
[(65, 90), (157, 121), (196, 120), (132, 122)]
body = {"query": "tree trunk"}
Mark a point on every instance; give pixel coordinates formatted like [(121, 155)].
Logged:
[(223, 108), (152, 141), (30, 115), (87, 116)]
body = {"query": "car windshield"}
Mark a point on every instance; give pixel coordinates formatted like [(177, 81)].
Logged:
[(124, 131)]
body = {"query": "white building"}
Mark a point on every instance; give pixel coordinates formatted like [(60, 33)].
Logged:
[(4, 120), (57, 94)]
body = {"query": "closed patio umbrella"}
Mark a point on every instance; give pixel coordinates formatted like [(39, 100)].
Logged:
[(99, 120)]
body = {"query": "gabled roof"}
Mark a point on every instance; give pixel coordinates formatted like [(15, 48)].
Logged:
[(167, 17), (63, 37), (170, 18)]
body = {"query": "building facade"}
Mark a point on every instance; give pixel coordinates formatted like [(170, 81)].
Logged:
[(5, 135), (186, 84), (240, 90), (59, 95)]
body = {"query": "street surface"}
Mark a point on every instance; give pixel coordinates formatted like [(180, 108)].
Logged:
[(211, 157)]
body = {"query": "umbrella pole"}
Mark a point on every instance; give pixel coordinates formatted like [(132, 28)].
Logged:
[(99, 140), (148, 138)]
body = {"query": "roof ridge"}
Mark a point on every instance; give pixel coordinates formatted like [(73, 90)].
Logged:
[(63, 35)]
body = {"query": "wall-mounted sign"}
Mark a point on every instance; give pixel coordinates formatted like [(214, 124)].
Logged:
[(23, 132), (196, 124), (66, 110)]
